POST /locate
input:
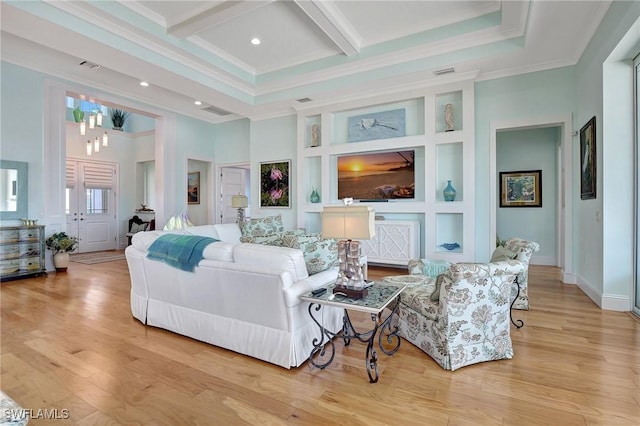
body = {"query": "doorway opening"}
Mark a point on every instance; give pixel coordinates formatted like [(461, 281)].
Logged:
[(234, 180), (91, 204), (563, 185)]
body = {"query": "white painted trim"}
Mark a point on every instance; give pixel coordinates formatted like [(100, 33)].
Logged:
[(590, 291), (565, 121), (609, 302), (613, 302), (568, 278)]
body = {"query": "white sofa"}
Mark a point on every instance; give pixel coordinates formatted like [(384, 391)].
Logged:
[(242, 297)]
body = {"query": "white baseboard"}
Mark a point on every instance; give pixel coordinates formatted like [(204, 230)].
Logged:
[(591, 292), (608, 302), (569, 278), (614, 302)]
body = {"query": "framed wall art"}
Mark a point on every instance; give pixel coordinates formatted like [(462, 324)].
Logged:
[(275, 184), (588, 160), (193, 188), (521, 189), (376, 125)]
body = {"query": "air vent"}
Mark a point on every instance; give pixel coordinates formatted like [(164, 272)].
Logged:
[(216, 111), (90, 65), (303, 100), (444, 71)]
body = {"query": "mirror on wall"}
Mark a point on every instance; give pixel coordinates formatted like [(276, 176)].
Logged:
[(13, 189)]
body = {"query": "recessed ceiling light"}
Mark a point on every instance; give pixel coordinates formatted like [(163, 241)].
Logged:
[(255, 41), (144, 84), (198, 103)]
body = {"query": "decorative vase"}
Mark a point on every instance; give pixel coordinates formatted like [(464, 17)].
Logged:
[(78, 115), (449, 192), (61, 261), (315, 197)]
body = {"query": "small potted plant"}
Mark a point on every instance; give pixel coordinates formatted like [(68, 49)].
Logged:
[(118, 118), (61, 244)]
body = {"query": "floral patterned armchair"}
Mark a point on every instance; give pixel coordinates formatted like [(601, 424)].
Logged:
[(470, 321), (524, 250)]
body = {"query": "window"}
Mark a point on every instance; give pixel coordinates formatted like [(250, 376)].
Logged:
[(97, 201)]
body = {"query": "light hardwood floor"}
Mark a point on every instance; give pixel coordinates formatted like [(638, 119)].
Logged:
[(69, 342)]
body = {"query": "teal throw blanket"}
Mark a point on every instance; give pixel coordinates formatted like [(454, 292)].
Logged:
[(180, 251)]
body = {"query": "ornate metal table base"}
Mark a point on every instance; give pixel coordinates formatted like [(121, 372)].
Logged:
[(519, 323), (348, 332)]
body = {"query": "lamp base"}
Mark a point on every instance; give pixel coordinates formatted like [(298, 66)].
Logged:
[(240, 217), (350, 292)]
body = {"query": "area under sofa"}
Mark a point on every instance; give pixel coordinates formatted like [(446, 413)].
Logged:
[(243, 297)]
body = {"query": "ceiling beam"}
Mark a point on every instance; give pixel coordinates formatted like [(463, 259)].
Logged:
[(209, 17), (332, 22)]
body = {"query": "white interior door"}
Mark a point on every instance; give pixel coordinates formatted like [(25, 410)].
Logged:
[(91, 205), (233, 182)]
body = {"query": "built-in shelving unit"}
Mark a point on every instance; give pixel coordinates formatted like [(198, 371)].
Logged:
[(443, 143)]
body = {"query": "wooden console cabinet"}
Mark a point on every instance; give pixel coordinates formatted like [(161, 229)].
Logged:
[(396, 242), (21, 252)]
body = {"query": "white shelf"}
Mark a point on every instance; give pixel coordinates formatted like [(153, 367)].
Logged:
[(440, 156)]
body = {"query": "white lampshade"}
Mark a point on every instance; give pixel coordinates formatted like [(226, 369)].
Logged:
[(350, 222), (83, 128), (239, 201), (99, 119)]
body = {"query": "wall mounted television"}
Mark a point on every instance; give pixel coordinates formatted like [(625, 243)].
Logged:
[(377, 176)]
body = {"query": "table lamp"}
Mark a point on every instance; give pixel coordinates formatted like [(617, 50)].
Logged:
[(239, 202), (348, 223)]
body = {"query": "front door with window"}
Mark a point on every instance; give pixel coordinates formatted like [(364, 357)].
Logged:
[(91, 204)]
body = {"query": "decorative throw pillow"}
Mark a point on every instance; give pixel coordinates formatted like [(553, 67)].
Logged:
[(269, 240), (273, 239), (135, 227), (319, 253), (435, 296), (502, 253), (262, 226)]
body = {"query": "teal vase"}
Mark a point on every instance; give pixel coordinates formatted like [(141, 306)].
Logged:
[(315, 197), (78, 115), (449, 192)]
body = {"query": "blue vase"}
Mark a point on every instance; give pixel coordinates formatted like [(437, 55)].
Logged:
[(315, 197), (449, 192)]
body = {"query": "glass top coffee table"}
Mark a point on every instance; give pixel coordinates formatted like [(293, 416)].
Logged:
[(379, 297)]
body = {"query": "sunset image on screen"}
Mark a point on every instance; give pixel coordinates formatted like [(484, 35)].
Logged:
[(381, 175)]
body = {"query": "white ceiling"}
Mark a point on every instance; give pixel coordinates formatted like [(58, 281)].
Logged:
[(321, 49)]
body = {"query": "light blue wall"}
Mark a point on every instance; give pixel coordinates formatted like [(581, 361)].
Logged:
[(21, 134), (232, 142), (273, 140), (523, 97), (533, 149), (194, 140), (22, 101), (604, 247)]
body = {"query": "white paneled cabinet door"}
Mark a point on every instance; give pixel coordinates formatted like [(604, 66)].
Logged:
[(396, 242)]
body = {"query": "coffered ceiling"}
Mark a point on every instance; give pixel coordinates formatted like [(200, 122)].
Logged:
[(323, 50)]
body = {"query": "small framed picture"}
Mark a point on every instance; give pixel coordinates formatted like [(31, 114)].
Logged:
[(275, 184), (521, 189), (588, 160), (193, 188)]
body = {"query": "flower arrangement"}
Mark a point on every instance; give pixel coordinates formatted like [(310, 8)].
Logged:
[(60, 242)]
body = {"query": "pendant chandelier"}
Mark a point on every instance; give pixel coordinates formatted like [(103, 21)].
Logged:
[(94, 120)]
